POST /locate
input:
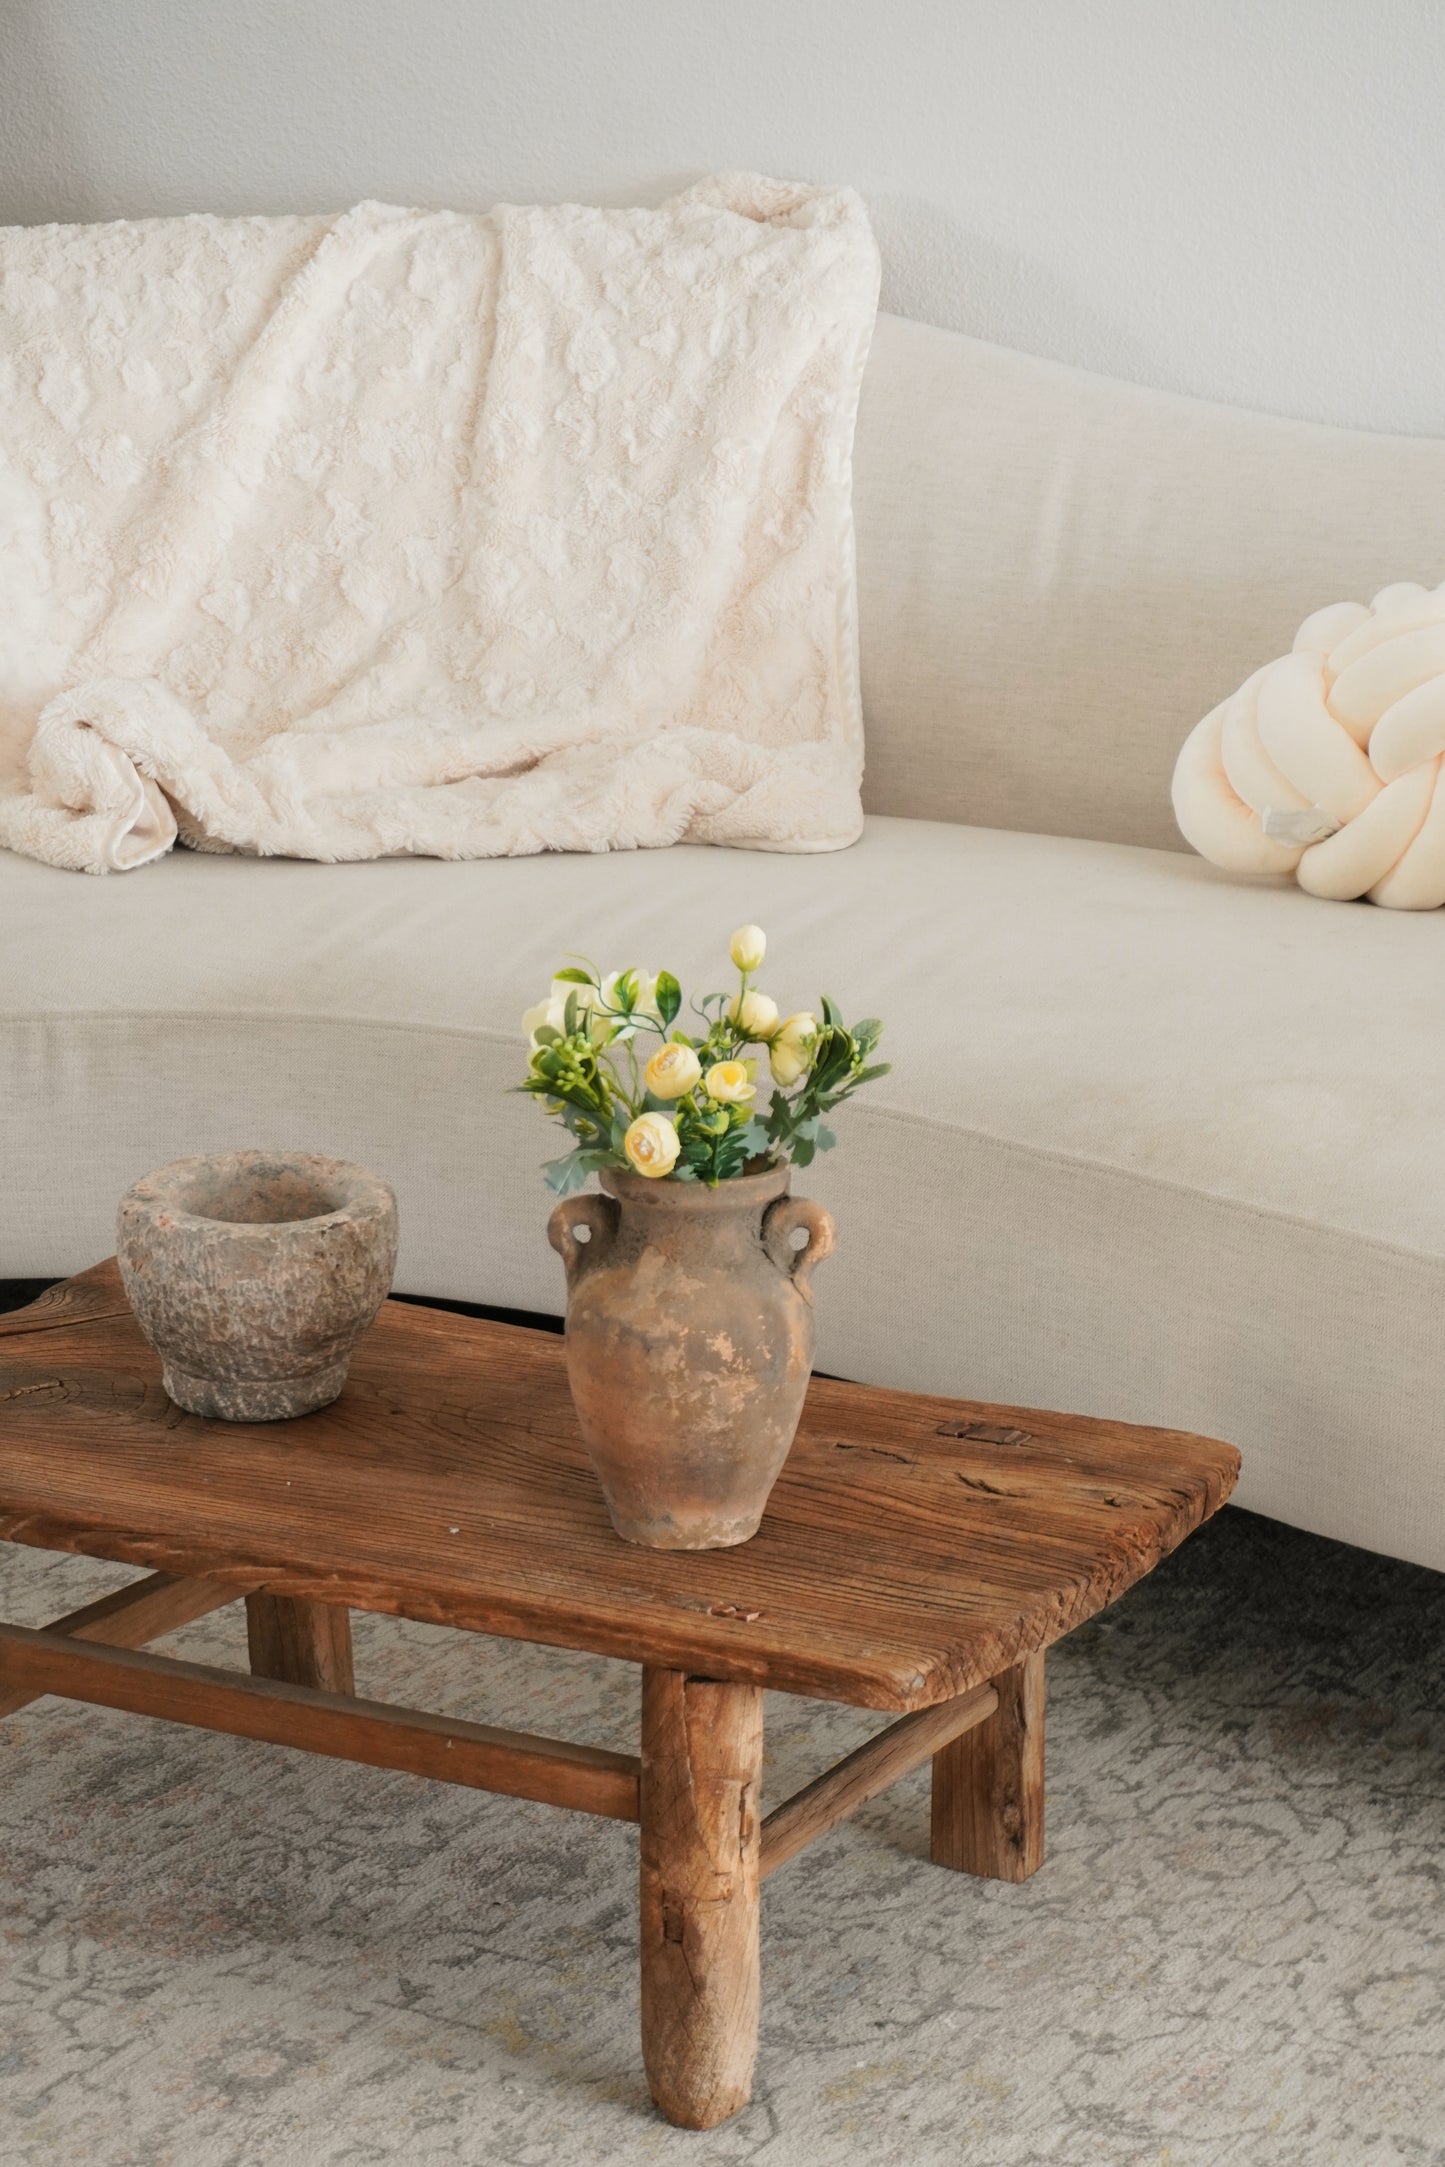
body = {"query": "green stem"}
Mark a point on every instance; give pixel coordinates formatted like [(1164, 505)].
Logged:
[(632, 1102)]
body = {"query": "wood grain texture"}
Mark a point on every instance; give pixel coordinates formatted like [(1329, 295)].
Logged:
[(868, 1772), (92, 1297), (702, 1759), (901, 1560), (587, 1778), (988, 1785), (134, 1615), (304, 1643)]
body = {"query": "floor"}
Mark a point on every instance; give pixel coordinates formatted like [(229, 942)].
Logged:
[(214, 1954)]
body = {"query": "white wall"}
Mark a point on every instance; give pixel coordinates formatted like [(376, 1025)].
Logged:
[(1237, 200)]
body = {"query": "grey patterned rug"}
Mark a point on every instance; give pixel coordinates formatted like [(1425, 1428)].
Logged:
[(214, 1954)]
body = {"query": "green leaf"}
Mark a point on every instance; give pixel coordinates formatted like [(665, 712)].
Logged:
[(831, 1061), (565, 1175), (782, 1121), (569, 1015), (867, 1075), (669, 997), (583, 1123), (574, 977), (802, 1152), (546, 1036), (832, 1015), (570, 1173)]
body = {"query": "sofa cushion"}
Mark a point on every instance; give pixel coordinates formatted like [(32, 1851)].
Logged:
[(1156, 1145), (1059, 574)]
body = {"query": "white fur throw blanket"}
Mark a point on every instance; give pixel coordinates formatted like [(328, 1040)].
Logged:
[(1326, 764), (416, 532)]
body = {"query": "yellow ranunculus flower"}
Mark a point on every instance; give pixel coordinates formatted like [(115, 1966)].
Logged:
[(754, 1015), (672, 1070), (549, 1012), (651, 1145), (553, 1011), (790, 1051), (729, 1083), (591, 1000), (748, 946), (644, 993)]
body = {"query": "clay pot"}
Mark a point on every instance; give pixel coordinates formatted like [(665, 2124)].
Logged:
[(254, 1275), (689, 1346)]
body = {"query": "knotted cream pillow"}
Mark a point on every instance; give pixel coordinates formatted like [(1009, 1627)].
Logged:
[(1325, 764)]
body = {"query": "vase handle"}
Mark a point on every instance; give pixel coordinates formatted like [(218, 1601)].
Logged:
[(599, 1214), (781, 1221)]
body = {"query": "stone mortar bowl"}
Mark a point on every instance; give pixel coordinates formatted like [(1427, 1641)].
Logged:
[(253, 1274)]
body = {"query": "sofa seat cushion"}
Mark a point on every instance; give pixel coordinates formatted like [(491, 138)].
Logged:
[(1156, 1145)]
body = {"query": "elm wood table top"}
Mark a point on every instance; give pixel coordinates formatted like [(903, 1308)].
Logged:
[(913, 1549)]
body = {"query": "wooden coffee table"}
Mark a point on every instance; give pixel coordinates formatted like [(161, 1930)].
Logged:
[(919, 1555)]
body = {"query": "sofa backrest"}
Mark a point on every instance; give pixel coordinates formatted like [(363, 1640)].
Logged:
[(1058, 575)]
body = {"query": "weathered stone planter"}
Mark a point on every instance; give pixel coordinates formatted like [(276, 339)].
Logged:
[(689, 1346), (254, 1275)]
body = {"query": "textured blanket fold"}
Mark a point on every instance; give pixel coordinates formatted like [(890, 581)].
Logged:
[(419, 532)]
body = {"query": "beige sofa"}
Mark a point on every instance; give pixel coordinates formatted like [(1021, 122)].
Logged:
[(1156, 1144)]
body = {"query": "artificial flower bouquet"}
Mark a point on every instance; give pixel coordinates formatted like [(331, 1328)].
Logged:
[(684, 1108)]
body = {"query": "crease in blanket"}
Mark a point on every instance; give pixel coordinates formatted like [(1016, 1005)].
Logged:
[(418, 532)]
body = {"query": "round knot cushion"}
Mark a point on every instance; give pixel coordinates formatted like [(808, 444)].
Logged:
[(1326, 764)]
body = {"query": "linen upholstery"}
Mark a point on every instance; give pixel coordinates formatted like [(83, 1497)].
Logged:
[(1128, 1161), (1059, 574)]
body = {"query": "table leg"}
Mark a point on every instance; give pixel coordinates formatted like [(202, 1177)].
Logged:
[(302, 1642), (988, 1785), (702, 1755)]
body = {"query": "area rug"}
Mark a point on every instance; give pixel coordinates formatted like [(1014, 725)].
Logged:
[(214, 1954)]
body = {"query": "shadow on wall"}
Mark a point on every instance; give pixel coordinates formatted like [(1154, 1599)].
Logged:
[(61, 165), (990, 293), (934, 269)]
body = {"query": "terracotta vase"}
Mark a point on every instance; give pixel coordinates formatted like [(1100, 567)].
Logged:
[(689, 1346)]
